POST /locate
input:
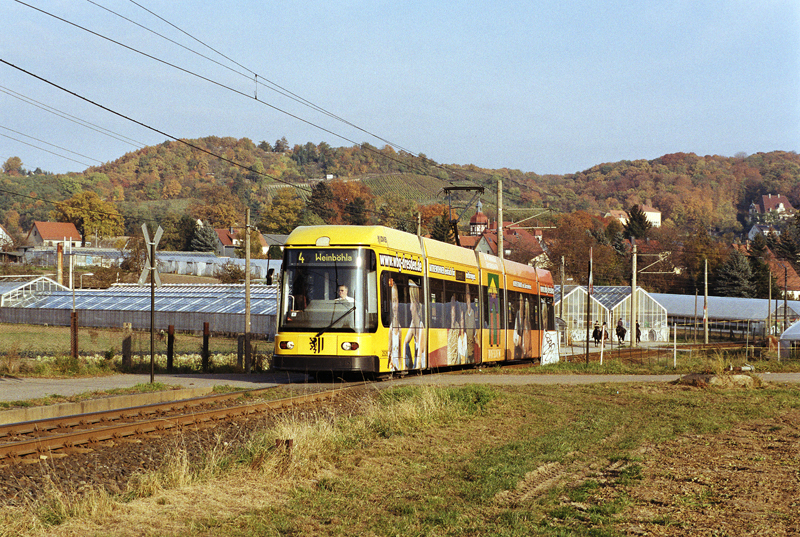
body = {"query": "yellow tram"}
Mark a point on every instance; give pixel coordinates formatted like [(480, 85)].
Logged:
[(382, 301)]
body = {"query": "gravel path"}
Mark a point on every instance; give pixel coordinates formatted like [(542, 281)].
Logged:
[(22, 389)]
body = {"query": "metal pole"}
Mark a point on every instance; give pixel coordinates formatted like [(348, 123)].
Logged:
[(634, 308), (705, 307), (247, 357), (500, 252), (589, 305), (785, 307), (152, 312)]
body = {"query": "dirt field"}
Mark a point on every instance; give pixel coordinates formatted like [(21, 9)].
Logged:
[(742, 482)]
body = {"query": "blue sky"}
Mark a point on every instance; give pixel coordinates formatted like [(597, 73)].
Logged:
[(545, 87)]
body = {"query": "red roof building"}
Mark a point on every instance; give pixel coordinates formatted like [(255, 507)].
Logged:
[(52, 233), (776, 204), (228, 241)]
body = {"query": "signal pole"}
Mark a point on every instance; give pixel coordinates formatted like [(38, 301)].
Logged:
[(500, 252)]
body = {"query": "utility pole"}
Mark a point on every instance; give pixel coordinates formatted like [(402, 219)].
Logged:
[(632, 327), (589, 290), (785, 306), (247, 358), (500, 252), (561, 302), (769, 306), (705, 307)]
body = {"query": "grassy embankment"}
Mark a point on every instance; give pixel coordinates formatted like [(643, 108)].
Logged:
[(477, 460)]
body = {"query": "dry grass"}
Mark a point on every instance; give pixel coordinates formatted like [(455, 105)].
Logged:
[(418, 461)]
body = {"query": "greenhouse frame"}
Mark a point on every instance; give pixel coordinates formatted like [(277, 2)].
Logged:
[(609, 304)]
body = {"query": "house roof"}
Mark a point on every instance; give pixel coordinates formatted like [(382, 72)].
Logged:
[(784, 274), (479, 218), (513, 237), (226, 236), (649, 209), (773, 202), (469, 241), (56, 231)]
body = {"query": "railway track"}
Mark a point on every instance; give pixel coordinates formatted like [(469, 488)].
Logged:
[(42, 439)]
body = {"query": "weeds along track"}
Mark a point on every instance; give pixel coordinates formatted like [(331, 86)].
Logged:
[(110, 465), (41, 439)]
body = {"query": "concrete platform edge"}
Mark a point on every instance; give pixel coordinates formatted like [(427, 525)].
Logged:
[(116, 402)]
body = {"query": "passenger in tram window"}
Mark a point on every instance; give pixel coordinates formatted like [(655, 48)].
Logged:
[(394, 330)]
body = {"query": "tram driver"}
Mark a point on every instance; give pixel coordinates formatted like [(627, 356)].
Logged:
[(341, 294)]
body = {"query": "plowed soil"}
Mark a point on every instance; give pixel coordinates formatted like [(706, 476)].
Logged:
[(742, 482)]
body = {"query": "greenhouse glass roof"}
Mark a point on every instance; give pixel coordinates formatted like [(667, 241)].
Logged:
[(607, 295), (212, 298), (18, 291), (724, 308)]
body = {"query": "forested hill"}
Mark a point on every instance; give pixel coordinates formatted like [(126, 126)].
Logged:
[(174, 177)]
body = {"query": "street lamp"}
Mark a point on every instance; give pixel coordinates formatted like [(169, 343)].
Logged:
[(86, 274)]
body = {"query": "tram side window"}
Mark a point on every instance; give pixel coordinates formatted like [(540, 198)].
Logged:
[(532, 309), (548, 313), (449, 303)]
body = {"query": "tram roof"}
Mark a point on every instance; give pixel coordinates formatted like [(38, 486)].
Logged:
[(325, 236)]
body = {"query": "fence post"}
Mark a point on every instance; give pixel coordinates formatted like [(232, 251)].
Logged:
[(73, 340), (206, 335), (170, 346), (127, 346), (240, 351), (248, 354)]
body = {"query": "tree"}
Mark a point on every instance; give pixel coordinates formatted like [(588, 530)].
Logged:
[(221, 208), (90, 214), (13, 166), (355, 212), (178, 232), (735, 277), (281, 146), (638, 225), (761, 276), (443, 228), (255, 245), (398, 212), (283, 212), (321, 202), (204, 239)]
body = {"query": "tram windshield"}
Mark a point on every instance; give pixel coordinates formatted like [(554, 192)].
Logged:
[(329, 290)]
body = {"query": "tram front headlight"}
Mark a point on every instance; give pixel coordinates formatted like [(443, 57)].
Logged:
[(349, 346), (286, 345)]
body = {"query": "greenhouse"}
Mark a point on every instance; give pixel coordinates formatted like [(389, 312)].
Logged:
[(608, 305), (186, 307)]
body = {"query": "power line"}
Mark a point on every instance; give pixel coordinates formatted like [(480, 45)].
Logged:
[(69, 117), (175, 138), (45, 150), (221, 85), (52, 145)]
